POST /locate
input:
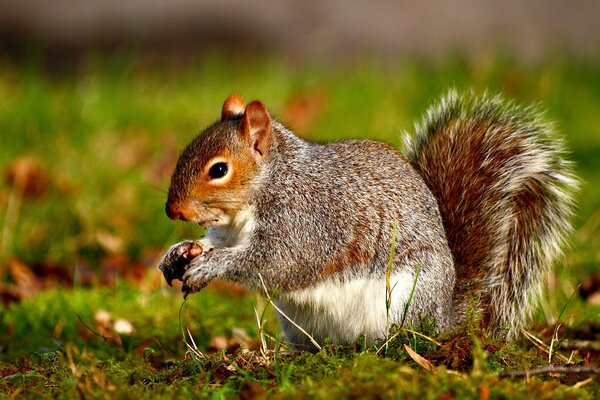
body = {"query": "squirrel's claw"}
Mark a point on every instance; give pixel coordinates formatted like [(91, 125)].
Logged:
[(175, 262), (195, 280), (166, 269)]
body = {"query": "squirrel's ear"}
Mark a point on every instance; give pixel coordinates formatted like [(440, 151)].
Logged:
[(256, 128), (232, 107)]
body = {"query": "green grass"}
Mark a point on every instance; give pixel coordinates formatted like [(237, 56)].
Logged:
[(107, 136)]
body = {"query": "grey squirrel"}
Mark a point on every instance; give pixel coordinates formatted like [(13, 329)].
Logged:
[(480, 204)]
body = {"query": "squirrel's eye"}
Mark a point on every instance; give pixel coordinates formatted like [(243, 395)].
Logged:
[(218, 170)]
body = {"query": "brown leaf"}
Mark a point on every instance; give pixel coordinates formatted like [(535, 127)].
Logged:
[(484, 392), (106, 327), (594, 298), (53, 274), (103, 320), (590, 287), (241, 338), (9, 293), (302, 110), (252, 391), (28, 176), (25, 280), (419, 359), (219, 342), (109, 241)]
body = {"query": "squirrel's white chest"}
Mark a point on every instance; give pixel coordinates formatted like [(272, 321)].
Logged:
[(344, 310)]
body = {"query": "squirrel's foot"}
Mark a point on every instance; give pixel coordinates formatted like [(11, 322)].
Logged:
[(178, 258)]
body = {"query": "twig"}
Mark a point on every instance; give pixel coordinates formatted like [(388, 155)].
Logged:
[(196, 354), (395, 335), (541, 345), (552, 341), (423, 336), (562, 369), (261, 335), (312, 340), (387, 341), (576, 344), (193, 347), (13, 207), (276, 341), (91, 330), (557, 326)]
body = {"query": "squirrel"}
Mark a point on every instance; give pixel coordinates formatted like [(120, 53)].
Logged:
[(479, 204)]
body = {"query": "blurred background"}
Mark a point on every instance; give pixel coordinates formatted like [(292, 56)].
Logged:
[(99, 97), (308, 29)]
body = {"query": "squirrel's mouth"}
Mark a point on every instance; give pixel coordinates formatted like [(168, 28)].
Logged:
[(209, 217), (208, 223), (213, 221)]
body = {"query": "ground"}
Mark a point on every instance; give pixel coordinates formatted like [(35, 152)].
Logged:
[(86, 159)]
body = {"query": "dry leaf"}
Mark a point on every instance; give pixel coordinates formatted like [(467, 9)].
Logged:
[(109, 241), (102, 318), (28, 176), (252, 391), (584, 382), (427, 366), (240, 337), (590, 288), (24, 278), (9, 293), (302, 110), (484, 392), (594, 298), (219, 342)]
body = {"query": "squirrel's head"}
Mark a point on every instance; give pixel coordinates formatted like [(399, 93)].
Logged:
[(213, 175)]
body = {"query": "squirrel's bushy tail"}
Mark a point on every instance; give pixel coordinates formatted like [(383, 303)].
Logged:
[(505, 193)]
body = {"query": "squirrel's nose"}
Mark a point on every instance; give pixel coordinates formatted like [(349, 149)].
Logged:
[(173, 212)]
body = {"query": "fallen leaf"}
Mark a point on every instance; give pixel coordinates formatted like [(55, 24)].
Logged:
[(28, 176), (302, 110), (590, 288), (241, 338), (102, 318), (252, 391), (594, 298), (9, 293), (25, 280), (584, 382), (484, 392), (110, 241), (427, 366), (219, 342)]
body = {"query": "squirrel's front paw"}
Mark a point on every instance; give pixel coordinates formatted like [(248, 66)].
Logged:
[(178, 258), (196, 277)]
